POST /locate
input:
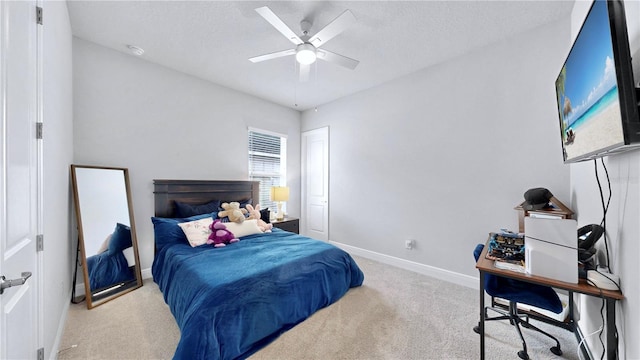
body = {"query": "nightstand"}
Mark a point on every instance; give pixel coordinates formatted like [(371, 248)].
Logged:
[(288, 224)]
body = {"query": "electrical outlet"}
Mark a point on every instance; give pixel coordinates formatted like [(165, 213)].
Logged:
[(409, 244)]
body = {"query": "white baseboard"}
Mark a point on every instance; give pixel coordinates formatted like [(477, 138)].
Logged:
[(442, 274), (63, 321), (146, 274), (79, 289)]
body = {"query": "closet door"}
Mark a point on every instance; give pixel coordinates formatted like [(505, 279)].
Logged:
[(315, 184), (19, 181)]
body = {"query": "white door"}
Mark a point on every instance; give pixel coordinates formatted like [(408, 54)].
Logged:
[(315, 184), (19, 183)]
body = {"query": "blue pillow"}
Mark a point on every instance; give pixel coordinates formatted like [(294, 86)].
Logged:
[(184, 210), (166, 230), (265, 215), (120, 239), (243, 203)]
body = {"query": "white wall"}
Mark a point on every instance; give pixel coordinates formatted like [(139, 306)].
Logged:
[(443, 155), (59, 246), (623, 227), (163, 124)]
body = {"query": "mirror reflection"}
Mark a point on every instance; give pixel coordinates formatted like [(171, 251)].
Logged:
[(106, 232)]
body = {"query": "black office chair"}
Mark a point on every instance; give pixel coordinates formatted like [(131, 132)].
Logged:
[(515, 292)]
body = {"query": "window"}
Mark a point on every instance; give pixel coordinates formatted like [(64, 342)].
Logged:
[(267, 163)]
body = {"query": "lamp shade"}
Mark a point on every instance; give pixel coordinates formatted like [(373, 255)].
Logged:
[(280, 193)]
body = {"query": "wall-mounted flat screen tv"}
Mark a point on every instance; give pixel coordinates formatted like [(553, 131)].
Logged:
[(595, 90)]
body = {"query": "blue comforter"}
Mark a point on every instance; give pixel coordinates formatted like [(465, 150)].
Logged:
[(229, 302), (108, 269)]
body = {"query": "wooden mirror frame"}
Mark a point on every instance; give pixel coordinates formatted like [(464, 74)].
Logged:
[(118, 288)]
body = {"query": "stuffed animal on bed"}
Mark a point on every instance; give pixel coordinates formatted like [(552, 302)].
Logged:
[(233, 211), (220, 236), (255, 214)]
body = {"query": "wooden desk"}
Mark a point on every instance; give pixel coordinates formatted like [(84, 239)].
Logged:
[(485, 266)]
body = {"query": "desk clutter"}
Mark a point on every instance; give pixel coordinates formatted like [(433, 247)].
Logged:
[(548, 248), (507, 250), (521, 272), (553, 240), (527, 295), (549, 243)]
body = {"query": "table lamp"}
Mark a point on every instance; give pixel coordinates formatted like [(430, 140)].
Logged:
[(280, 194)]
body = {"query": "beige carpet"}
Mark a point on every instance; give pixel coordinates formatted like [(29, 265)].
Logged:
[(396, 314)]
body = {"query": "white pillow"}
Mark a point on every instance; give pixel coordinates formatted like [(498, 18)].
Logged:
[(105, 245), (197, 231), (248, 227)]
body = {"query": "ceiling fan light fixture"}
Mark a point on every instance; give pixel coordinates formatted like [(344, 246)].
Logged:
[(306, 54)]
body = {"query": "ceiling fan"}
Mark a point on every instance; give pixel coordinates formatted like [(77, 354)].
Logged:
[(307, 48)]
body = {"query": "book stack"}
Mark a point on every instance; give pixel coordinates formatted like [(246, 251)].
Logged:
[(507, 250)]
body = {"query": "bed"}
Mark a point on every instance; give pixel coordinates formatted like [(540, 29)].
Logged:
[(231, 301)]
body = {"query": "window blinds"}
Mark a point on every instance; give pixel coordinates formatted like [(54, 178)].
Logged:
[(267, 163)]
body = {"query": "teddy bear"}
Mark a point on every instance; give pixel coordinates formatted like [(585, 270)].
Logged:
[(255, 214), (220, 236), (233, 211)]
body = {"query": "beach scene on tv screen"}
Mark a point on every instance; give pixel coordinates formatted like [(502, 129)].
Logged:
[(587, 91)]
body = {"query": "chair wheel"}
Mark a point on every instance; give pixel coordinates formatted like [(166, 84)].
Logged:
[(556, 350), (476, 329), (523, 355)]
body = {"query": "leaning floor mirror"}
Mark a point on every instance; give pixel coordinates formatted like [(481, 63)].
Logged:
[(106, 232)]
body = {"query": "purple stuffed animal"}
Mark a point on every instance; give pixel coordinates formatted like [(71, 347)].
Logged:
[(220, 236)]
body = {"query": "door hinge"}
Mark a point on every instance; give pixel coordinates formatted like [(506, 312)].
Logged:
[(39, 242), (39, 130), (39, 15), (41, 354)]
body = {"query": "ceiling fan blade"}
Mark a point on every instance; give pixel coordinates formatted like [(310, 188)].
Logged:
[(275, 21), (337, 59), (274, 55), (304, 72), (334, 28)]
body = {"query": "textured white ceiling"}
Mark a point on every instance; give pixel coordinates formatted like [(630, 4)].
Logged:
[(212, 40)]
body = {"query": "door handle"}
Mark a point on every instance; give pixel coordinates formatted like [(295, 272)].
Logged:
[(4, 284)]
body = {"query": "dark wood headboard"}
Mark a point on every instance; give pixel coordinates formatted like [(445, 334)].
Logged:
[(167, 192)]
